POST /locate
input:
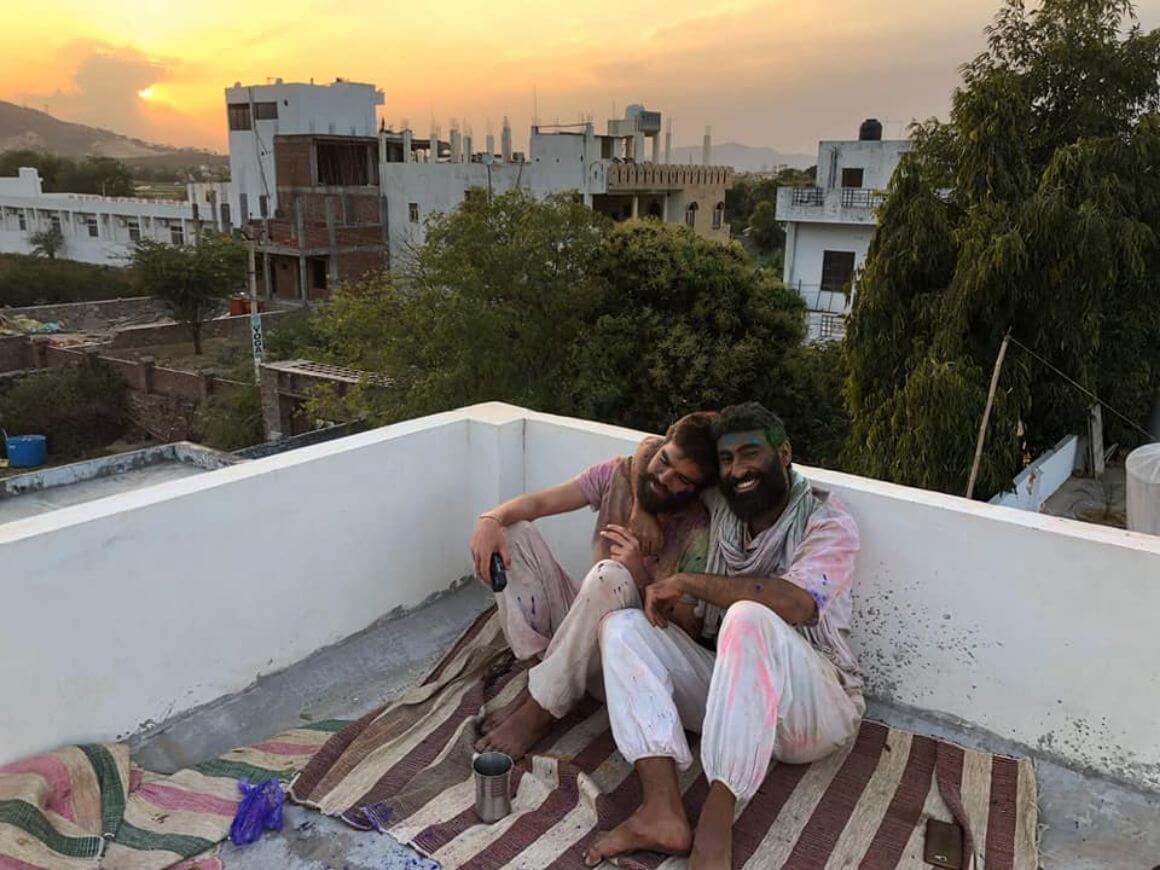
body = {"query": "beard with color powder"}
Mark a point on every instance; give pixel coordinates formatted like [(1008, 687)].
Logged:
[(655, 499), (756, 492)]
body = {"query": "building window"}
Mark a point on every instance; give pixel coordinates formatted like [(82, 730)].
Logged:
[(263, 205), (413, 212), (22, 221), (852, 176), (719, 216), (691, 215), (134, 231), (319, 269), (55, 221), (176, 234), (266, 111), (91, 223), (239, 116), (837, 270), (346, 164), (225, 207)]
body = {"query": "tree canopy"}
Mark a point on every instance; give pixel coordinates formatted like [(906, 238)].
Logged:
[(1036, 209), (192, 280), (546, 304), (99, 175)]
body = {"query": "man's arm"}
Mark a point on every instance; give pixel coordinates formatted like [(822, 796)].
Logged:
[(787, 600), (489, 538)]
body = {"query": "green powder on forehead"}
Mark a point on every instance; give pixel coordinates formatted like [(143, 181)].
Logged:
[(775, 435)]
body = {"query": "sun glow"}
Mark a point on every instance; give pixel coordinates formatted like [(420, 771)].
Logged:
[(146, 93)]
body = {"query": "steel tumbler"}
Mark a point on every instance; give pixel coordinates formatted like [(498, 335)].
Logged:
[(493, 777)]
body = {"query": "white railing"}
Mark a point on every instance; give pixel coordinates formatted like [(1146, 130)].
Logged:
[(142, 605)]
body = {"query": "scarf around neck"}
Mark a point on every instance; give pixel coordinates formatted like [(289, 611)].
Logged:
[(768, 555)]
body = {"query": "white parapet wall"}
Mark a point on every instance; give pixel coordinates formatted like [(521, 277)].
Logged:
[(138, 607)]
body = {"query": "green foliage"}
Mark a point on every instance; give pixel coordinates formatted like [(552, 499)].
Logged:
[(193, 280), (79, 409), (99, 175), (686, 324), (743, 200), (764, 231), (809, 400), (28, 280), (1035, 208), (47, 242), (231, 422), (548, 305)]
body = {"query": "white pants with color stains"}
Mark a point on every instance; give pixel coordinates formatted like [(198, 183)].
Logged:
[(766, 694), (545, 613)]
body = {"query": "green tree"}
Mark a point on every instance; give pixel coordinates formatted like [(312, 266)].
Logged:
[(78, 409), (548, 305), (97, 175), (1035, 209), (764, 231), (47, 242), (686, 324), (193, 280), (482, 311)]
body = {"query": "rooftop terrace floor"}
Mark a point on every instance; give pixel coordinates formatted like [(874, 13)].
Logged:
[(30, 504), (1088, 822)]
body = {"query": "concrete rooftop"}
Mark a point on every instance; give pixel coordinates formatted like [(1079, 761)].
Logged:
[(1088, 822)]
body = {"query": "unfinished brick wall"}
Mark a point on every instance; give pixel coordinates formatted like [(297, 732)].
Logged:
[(15, 353), (292, 163)]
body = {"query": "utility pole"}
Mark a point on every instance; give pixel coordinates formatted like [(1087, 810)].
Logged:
[(257, 343), (987, 414)]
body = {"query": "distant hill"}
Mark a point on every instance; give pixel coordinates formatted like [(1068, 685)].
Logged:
[(29, 128), (744, 158)]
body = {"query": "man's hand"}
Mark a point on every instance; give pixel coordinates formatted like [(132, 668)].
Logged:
[(625, 549), (488, 538), (647, 530), (660, 598)]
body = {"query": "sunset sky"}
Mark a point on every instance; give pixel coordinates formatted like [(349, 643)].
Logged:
[(783, 73)]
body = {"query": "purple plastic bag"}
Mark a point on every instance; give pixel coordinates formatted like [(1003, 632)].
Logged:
[(261, 807)]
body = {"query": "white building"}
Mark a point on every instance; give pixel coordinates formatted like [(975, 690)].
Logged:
[(257, 113), (615, 173), (829, 227), (99, 229)]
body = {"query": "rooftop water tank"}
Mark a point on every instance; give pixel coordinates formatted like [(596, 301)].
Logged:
[(1143, 484), (870, 131)]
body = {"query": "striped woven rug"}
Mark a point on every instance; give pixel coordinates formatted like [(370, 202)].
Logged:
[(406, 769), (87, 806)]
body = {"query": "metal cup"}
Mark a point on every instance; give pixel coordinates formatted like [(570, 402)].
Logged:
[(493, 776)]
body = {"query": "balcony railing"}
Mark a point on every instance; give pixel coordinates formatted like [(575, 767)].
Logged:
[(808, 196), (858, 197)]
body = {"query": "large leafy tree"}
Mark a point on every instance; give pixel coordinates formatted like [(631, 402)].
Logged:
[(1034, 209), (545, 304), (686, 324), (192, 280), (484, 310)]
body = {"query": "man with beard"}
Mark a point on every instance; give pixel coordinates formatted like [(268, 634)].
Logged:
[(546, 614), (783, 683)]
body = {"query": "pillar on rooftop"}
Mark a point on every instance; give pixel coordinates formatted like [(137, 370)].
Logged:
[(656, 148), (635, 206), (146, 365), (275, 423)]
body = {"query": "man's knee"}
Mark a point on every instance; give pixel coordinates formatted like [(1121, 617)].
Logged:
[(621, 625), (748, 616), (607, 581)]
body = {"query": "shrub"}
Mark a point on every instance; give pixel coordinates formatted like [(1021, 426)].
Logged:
[(231, 422), (79, 409), (37, 281)]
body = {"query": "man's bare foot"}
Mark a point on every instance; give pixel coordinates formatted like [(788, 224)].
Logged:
[(713, 842), (519, 732), (494, 719), (652, 827)]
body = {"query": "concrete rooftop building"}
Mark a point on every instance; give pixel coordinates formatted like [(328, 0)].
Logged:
[(829, 227), (153, 616)]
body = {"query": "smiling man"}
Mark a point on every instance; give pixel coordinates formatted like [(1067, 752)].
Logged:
[(782, 684), (546, 614)]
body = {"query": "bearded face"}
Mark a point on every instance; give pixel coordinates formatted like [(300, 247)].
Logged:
[(753, 479)]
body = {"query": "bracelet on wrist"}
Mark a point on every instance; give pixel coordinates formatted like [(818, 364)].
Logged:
[(491, 517)]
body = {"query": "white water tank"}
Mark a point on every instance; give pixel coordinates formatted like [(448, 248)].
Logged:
[(1143, 484)]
